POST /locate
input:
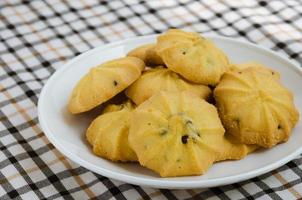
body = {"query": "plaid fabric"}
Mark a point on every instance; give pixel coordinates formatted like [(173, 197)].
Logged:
[(38, 37)]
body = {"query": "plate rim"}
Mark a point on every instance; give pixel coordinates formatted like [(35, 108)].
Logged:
[(164, 183)]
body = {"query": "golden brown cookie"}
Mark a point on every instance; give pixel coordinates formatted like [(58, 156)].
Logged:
[(108, 133), (162, 79), (173, 36), (148, 54), (179, 134), (103, 82), (195, 58), (255, 107), (230, 150), (262, 68), (234, 144)]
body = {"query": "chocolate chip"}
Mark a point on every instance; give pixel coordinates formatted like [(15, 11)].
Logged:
[(115, 83), (184, 53), (189, 122), (279, 126), (197, 133), (240, 72), (163, 132), (273, 73), (184, 139)]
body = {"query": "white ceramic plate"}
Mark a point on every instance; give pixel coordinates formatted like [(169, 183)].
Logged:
[(66, 132)]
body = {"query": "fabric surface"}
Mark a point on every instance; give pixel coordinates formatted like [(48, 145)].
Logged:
[(38, 37)]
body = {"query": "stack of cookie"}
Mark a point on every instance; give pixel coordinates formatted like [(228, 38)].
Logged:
[(186, 106)]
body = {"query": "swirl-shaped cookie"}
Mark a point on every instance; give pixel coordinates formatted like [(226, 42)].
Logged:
[(103, 82), (255, 107)]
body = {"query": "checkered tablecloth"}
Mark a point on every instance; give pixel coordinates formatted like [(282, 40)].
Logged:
[(38, 37)]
